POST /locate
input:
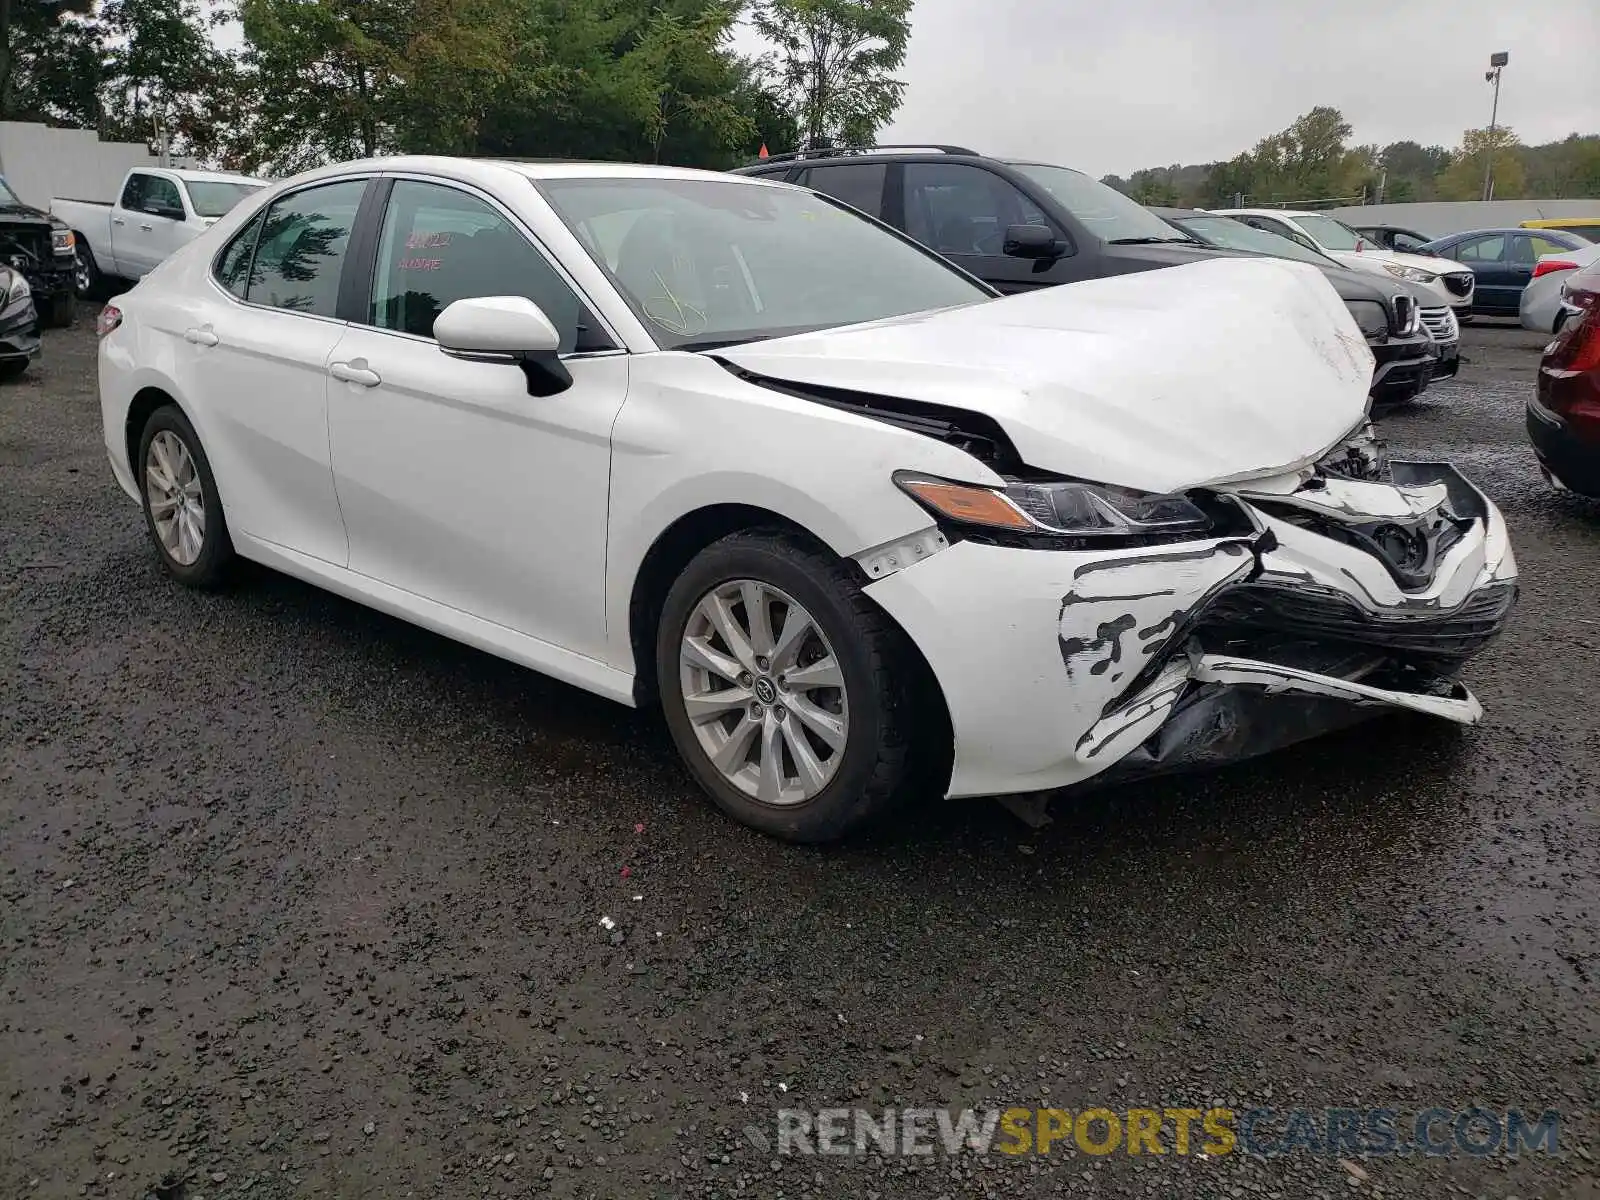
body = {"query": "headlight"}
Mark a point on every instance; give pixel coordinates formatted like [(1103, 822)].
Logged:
[(62, 241), (1412, 274), (1370, 317), (1064, 508), (18, 291)]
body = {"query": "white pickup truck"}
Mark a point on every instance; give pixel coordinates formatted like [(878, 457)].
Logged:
[(158, 210)]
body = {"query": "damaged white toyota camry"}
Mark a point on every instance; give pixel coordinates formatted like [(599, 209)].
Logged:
[(862, 530)]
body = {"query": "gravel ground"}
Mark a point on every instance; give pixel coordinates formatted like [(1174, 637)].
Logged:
[(298, 900)]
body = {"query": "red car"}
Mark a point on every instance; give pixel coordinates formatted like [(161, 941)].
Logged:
[(1564, 416)]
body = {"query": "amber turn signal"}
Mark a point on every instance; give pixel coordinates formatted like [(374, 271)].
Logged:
[(973, 505)]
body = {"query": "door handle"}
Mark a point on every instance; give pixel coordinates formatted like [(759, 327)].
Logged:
[(118, 221), (146, 228), (200, 337), (355, 372)]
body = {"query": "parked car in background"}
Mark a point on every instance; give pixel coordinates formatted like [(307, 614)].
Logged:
[(1546, 305), (1448, 281), (1393, 237), (158, 210), (1503, 262), (19, 324), (41, 249), (1588, 228), (1407, 352), (865, 531), (1016, 225), (1564, 414)]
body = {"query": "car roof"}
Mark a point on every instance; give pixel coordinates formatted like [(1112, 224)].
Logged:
[(189, 175), (496, 170), (1502, 230), (1274, 212)]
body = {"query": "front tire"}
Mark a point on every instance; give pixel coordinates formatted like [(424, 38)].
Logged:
[(12, 368), (88, 280), (790, 695), (182, 511)]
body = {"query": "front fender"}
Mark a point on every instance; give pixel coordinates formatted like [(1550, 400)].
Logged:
[(693, 435)]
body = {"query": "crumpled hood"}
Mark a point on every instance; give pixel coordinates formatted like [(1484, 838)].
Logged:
[(1162, 380)]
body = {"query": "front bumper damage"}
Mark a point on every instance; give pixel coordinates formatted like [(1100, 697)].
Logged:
[(1349, 597)]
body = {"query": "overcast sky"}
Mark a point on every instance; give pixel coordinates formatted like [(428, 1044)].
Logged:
[(1115, 85)]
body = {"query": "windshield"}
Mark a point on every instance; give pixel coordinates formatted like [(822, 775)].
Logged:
[(1107, 213), (706, 262), (213, 198), (1328, 233), (1229, 234), (8, 198)]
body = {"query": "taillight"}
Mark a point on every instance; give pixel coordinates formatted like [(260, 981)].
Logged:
[(1549, 265), (110, 317), (1576, 348)]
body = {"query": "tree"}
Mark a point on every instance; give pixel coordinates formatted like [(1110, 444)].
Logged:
[(1464, 178), (834, 60), (49, 62), (161, 75)]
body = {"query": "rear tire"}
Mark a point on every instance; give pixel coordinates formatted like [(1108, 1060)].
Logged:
[(12, 368), (858, 681), (182, 511)]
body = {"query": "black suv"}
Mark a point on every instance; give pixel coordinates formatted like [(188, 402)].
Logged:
[(1016, 225), (1020, 225)]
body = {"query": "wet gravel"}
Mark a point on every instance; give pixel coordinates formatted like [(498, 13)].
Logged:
[(298, 900)]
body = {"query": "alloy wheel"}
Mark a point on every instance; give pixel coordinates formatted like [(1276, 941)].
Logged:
[(763, 692), (176, 497)]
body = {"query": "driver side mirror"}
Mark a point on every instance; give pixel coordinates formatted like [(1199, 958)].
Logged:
[(1030, 241), (505, 329)]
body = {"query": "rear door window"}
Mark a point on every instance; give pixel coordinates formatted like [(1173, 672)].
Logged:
[(302, 247), (233, 264), (860, 185), (1488, 249)]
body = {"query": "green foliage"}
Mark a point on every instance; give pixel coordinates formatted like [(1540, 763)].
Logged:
[(49, 62), (1311, 160), (834, 59), (322, 80), (160, 74), (1463, 179)]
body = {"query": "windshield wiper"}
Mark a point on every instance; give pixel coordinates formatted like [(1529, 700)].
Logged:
[(1149, 241)]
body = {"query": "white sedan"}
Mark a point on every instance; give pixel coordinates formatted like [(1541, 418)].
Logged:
[(862, 530)]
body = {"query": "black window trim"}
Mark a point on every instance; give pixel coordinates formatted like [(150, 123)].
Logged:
[(372, 233), (364, 177)]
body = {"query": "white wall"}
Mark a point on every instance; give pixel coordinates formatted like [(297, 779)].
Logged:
[(1446, 217), (42, 164)]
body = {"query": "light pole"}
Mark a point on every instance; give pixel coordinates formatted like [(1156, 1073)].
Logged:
[(1497, 61)]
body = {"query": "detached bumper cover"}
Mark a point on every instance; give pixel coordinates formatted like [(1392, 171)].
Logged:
[(1352, 598)]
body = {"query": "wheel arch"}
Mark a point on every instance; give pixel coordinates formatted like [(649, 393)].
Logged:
[(677, 545), (144, 403)]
